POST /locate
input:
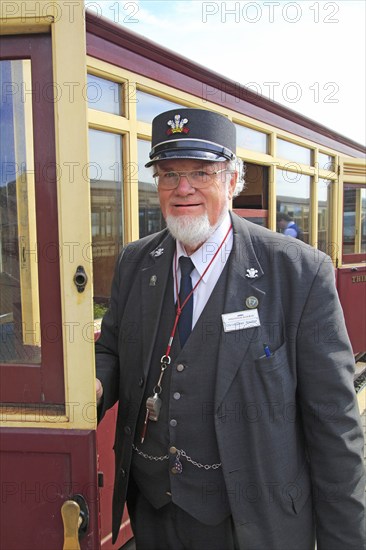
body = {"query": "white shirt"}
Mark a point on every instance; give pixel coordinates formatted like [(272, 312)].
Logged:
[(201, 258)]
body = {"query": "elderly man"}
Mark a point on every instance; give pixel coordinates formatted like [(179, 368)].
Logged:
[(237, 425)]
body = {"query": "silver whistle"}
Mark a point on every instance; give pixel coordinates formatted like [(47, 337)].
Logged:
[(153, 405)]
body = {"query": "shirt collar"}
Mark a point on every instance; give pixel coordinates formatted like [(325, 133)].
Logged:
[(204, 254)]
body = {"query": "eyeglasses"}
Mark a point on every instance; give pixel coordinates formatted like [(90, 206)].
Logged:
[(199, 179)]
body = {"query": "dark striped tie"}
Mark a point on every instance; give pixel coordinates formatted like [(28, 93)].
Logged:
[(185, 319)]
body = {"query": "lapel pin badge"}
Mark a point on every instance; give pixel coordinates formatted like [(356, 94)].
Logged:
[(252, 273), (251, 302), (158, 252), (153, 280)]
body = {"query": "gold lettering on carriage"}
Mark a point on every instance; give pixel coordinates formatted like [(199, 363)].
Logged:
[(359, 279)]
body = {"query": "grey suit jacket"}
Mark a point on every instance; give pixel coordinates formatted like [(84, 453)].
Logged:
[(287, 426)]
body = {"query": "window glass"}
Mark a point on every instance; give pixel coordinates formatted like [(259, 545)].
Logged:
[(354, 219), (349, 220), (106, 211), (326, 162), (325, 198), (363, 220), (291, 151), (251, 139), (104, 95), (258, 220), (150, 217), (254, 197), (293, 199), (149, 106), (20, 340)]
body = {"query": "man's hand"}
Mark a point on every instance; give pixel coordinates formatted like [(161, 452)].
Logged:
[(99, 390)]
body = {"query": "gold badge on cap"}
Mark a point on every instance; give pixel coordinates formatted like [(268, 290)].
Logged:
[(251, 302), (177, 126)]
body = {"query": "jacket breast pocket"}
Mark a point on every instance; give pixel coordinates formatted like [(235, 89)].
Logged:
[(276, 360)]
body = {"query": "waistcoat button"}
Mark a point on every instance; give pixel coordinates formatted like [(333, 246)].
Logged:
[(173, 422), (180, 367), (176, 395)]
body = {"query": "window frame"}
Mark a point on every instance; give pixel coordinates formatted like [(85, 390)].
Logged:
[(42, 383)]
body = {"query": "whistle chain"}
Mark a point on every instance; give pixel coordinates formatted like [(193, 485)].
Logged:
[(181, 453)]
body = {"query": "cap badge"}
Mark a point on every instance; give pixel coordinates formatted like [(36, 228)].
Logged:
[(177, 126), (252, 273)]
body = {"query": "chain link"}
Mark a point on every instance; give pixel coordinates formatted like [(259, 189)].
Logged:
[(149, 457), (198, 464), (180, 452)]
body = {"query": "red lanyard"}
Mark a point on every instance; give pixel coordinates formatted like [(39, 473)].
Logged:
[(153, 403), (181, 306)]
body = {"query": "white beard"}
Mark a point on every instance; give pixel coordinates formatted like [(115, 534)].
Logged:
[(192, 231)]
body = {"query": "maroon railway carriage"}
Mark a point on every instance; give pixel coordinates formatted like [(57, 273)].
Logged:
[(77, 98)]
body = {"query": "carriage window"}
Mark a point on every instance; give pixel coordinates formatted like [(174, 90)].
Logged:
[(149, 106), (251, 139), (106, 211), (150, 216), (252, 203), (363, 221), (291, 151), (325, 201), (104, 95), (19, 296), (326, 162), (354, 222), (293, 199)]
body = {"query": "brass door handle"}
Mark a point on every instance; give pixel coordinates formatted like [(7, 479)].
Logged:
[(75, 517)]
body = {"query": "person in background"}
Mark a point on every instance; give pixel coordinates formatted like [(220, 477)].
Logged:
[(288, 226), (238, 426)]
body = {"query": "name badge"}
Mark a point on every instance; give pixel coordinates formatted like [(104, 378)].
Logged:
[(239, 320)]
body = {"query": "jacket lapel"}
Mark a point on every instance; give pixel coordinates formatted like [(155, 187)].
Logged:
[(244, 281), (241, 285), (154, 279)]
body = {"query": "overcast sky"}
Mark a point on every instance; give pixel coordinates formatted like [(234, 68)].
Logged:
[(308, 55)]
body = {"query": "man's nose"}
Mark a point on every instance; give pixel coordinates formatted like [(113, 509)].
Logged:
[(184, 186)]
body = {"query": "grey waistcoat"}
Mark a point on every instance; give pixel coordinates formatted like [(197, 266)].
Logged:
[(186, 419)]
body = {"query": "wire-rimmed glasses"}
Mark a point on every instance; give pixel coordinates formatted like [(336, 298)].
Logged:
[(199, 179)]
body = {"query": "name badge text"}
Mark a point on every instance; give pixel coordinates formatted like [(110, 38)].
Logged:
[(239, 320)]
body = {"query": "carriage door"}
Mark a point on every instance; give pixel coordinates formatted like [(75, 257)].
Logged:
[(49, 489), (351, 276)]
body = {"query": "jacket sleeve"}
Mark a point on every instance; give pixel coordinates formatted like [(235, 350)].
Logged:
[(106, 349), (331, 417)]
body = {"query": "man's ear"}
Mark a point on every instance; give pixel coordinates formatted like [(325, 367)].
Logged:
[(232, 184)]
